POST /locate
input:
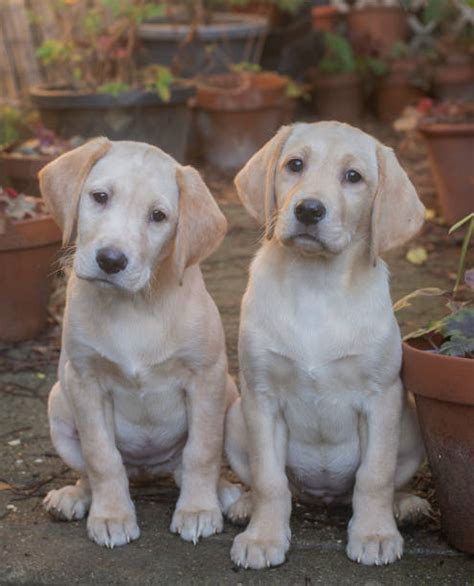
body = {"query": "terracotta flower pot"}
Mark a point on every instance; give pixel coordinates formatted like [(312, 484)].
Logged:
[(383, 24), (396, 90), (21, 171), (338, 96), (236, 114), (454, 80), (444, 391), (324, 18), (27, 250), (451, 154)]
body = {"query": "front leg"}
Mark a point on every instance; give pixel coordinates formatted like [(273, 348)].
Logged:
[(266, 540), (373, 534), (198, 513), (112, 520)]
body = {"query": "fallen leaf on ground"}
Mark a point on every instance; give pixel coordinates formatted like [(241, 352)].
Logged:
[(417, 255)]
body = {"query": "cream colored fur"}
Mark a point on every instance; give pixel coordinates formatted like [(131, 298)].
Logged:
[(143, 384), (323, 412)]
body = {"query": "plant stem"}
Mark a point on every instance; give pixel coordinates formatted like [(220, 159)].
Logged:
[(462, 259)]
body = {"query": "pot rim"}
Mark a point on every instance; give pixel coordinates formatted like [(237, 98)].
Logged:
[(446, 387), (19, 240), (49, 97), (446, 128), (232, 25)]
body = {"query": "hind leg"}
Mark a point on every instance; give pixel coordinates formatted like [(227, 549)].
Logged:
[(408, 507), (70, 502), (236, 450)]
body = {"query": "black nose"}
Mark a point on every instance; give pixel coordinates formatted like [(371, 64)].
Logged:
[(111, 260), (309, 211)]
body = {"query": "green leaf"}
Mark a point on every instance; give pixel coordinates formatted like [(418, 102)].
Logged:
[(457, 346), (113, 88), (460, 323)]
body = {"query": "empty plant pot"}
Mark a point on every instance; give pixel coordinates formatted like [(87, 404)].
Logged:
[(237, 113), (338, 96), (443, 387), (451, 155), (385, 25), (324, 18)]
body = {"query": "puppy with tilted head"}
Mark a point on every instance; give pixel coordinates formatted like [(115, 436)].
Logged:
[(323, 412), (143, 370)]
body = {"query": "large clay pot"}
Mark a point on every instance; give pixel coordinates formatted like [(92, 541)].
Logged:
[(132, 115), (27, 251), (454, 81), (444, 392), (383, 24), (237, 114), (338, 96), (451, 154)]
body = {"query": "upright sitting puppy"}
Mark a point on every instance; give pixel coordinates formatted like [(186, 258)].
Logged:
[(143, 382), (323, 411)]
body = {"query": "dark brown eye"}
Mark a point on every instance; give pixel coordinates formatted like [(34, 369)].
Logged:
[(353, 176), (158, 216), (295, 165), (100, 197)]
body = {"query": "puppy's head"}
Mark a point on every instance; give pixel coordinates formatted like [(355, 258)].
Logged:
[(322, 187), (128, 206)]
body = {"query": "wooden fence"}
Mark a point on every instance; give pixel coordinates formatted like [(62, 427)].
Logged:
[(24, 25)]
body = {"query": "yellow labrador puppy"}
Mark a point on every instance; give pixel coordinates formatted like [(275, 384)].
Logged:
[(323, 412), (143, 383)]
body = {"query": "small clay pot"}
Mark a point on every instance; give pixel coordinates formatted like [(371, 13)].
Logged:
[(443, 387), (27, 250), (338, 96), (395, 91), (21, 171), (451, 155), (236, 114), (385, 25), (454, 80), (325, 18)]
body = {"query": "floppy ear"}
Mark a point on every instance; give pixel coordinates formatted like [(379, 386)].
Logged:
[(397, 212), (61, 182), (256, 181), (201, 224)]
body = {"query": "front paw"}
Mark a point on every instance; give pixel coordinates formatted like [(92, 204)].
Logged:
[(251, 550), (374, 544), (112, 530), (192, 524)]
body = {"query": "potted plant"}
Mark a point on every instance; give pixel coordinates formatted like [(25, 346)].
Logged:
[(237, 112), (94, 86), (453, 23), (438, 368), (29, 242), (337, 86), (21, 160), (401, 80), (385, 23), (193, 38), (448, 130)]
